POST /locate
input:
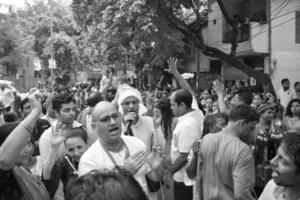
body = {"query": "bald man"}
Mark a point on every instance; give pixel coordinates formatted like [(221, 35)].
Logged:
[(113, 149)]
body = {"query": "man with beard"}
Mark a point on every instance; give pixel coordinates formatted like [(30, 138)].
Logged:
[(285, 183), (142, 127), (113, 150)]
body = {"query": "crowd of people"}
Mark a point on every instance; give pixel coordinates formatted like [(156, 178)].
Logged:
[(113, 141)]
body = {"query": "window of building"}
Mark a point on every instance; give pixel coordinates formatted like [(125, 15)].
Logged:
[(215, 66), (215, 21), (297, 27)]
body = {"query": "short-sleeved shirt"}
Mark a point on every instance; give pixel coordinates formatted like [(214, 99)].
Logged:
[(187, 131), (227, 167), (285, 97), (95, 158)]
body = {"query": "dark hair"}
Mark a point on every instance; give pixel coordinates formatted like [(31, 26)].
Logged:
[(60, 99), (76, 132), (244, 96), (297, 83), (112, 185), (259, 94), (23, 102), (10, 117), (243, 112), (164, 105), (288, 108), (284, 80), (6, 129), (183, 96), (94, 99), (291, 145), (210, 120)]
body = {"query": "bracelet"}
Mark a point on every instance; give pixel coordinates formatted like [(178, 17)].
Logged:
[(29, 129)]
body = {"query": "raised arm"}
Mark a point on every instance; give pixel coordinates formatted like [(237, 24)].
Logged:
[(172, 63), (219, 88), (18, 138)]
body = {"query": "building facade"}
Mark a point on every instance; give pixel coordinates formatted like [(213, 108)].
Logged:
[(268, 40)]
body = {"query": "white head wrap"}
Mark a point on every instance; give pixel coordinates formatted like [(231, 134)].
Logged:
[(127, 91)]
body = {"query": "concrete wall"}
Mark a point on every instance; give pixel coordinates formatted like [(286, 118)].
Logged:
[(286, 53)]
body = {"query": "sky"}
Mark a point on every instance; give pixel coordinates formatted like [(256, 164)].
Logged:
[(21, 4)]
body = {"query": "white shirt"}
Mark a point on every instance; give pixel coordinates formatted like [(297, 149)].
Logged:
[(285, 97), (272, 192), (95, 158), (187, 131)]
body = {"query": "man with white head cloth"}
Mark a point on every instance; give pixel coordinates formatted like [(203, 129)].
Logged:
[(142, 127)]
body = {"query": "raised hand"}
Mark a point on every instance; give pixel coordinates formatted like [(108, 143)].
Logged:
[(135, 162), (35, 99), (172, 63), (218, 87), (156, 158)]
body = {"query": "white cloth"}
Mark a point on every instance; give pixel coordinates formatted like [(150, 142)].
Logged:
[(285, 96), (127, 91), (272, 192), (187, 131), (95, 158)]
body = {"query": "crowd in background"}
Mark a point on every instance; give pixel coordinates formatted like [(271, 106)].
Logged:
[(113, 140)]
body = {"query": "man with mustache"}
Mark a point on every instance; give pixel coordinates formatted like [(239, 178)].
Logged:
[(285, 183)]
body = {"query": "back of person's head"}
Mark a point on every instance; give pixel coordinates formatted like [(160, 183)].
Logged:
[(284, 80), (10, 117), (6, 129), (296, 84), (114, 185), (94, 99), (245, 96), (60, 99), (291, 145), (23, 102), (243, 112), (183, 96), (210, 121)]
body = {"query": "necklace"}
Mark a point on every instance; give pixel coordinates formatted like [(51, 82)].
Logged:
[(113, 148)]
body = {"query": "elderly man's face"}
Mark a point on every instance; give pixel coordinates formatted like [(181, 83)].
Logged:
[(130, 104), (107, 122)]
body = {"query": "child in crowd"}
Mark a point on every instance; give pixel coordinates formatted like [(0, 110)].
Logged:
[(65, 168)]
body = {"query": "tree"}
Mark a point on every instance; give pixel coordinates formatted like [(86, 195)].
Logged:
[(150, 31), (128, 32), (16, 41), (169, 9), (64, 39)]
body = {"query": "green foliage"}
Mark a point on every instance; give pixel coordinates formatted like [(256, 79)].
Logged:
[(16, 41), (128, 32)]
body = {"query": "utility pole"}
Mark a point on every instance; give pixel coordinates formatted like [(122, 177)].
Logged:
[(269, 20), (51, 44)]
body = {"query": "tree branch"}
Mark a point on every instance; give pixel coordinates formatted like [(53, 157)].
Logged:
[(234, 25)]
